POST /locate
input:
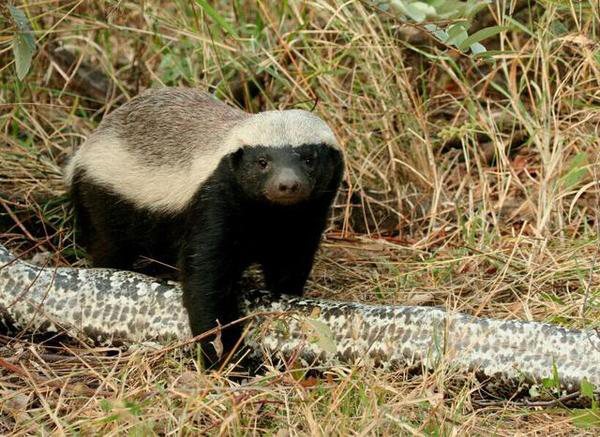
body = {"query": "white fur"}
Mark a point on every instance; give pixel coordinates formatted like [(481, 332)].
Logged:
[(169, 188), (293, 127), (163, 189)]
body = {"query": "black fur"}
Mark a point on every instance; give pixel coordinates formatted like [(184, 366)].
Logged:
[(119, 235), (230, 224)]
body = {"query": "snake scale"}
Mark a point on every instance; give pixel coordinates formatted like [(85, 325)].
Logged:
[(110, 306)]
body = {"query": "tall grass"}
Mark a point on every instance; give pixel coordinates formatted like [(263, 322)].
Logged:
[(470, 183)]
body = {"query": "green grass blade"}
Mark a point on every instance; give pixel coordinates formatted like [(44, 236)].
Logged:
[(222, 22), (481, 35)]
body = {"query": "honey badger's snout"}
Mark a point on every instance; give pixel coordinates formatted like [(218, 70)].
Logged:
[(288, 182), (287, 186)]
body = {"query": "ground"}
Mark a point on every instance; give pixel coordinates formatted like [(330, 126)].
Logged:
[(470, 184)]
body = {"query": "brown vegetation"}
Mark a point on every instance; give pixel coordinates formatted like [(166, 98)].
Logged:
[(470, 183)]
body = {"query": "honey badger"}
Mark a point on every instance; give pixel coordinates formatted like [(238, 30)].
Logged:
[(178, 176)]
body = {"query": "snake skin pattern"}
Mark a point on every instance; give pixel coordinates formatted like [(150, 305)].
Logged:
[(117, 307)]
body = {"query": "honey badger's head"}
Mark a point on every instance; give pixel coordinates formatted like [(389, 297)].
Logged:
[(285, 157)]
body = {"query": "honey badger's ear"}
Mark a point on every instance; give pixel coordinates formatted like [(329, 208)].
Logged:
[(235, 158)]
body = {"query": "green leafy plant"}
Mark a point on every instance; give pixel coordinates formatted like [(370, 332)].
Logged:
[(23, 42), (322, 335), (587, 417), (449, 20)]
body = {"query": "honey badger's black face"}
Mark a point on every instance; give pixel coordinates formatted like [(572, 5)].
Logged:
[(286, 175)]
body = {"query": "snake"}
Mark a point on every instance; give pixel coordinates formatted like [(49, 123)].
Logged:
[(509, 358)]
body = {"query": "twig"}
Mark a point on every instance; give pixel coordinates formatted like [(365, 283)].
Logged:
[(54, 384), (528, 403)]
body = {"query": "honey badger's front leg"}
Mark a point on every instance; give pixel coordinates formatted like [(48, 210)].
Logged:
[(211, 268), (289, 259)]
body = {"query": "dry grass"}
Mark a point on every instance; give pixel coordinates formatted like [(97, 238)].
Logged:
[(469, 184)]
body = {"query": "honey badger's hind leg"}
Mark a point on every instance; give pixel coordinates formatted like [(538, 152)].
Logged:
[(119, 235), (84, 231), (98, 228)]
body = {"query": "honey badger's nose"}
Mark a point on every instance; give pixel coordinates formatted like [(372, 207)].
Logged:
[(289, 185), (288, 181)]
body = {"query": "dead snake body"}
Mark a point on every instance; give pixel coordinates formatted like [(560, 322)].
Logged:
[(111, 306)]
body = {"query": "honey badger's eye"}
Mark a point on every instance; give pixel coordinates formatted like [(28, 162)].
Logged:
[(263, 163), (309, 161)]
